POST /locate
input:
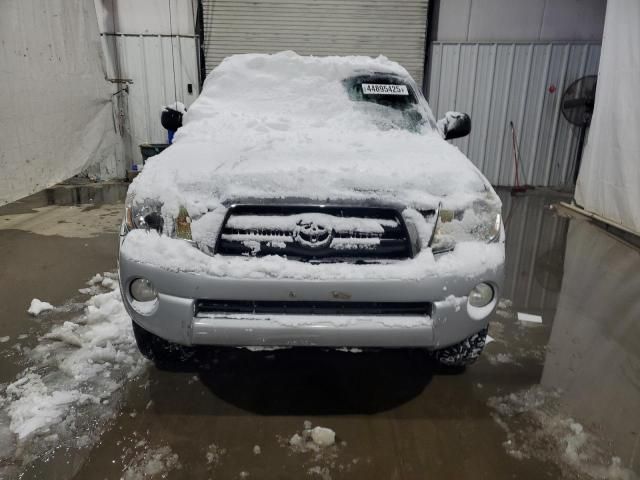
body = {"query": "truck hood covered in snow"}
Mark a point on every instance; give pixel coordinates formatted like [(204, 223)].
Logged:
[(282, 126)]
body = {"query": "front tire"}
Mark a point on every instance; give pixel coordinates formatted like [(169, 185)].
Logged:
[(158, 350), (463, 353)]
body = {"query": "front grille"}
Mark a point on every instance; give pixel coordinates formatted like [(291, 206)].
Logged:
[(311, 308), (315, 233)]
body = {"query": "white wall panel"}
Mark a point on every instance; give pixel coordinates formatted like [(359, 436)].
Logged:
[(147, 16), (318, 27), (499, 83), (148, 60)]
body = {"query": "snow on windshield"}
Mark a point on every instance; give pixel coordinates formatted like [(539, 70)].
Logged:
[(390, 101), (284, 126)]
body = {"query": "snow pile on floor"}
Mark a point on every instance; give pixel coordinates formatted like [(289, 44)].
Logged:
[(152, 463), (214, 454), (313, 439), (536, 428), (38, 306), (35, 407), (504, 308), (319, 443), (500, 358), (282, 125), (75, 372)]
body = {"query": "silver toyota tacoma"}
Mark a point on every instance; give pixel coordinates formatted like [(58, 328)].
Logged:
[(315, 202)]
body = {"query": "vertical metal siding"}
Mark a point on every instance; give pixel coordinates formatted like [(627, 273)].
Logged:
[(148, 61), (317, 27), (501, 82)]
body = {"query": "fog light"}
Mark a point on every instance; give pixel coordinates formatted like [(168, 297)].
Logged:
[(143, 290), (481, 295)]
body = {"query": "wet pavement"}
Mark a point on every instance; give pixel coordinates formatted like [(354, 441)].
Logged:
[(551, 400)]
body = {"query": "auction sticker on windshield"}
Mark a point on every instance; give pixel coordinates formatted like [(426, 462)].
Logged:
[(382, 89)]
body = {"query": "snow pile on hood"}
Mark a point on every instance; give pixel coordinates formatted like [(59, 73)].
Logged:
[(283, 126)]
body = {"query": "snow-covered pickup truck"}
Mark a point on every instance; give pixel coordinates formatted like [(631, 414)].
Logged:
[(312, 201)]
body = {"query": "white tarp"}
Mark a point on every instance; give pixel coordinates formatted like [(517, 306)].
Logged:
[(609, 180), (56, 116)]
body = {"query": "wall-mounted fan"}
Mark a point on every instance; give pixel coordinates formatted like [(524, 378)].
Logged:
[(577, 105)]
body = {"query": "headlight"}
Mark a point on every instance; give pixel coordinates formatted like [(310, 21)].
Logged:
[(478, 223), (481, 295), (145, 215), (142, 290)]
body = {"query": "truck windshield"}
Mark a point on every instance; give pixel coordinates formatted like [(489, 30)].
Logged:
[(391, 102)]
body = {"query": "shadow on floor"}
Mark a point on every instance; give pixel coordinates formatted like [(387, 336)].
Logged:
[(303, 381)]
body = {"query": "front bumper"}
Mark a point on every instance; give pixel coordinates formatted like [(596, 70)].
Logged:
[(174, 318)]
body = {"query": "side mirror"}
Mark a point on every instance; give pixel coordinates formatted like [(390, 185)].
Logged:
[(454, 125)]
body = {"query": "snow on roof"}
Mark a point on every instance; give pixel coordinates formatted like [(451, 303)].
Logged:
[(283, 126)]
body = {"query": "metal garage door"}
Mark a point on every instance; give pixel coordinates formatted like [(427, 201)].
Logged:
[(395, 28)]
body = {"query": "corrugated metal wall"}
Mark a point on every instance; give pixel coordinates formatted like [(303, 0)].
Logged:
[(317, 27), (149, 62), (501, 82)]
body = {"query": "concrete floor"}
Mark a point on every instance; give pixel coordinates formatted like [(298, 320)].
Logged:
[(551, 400)]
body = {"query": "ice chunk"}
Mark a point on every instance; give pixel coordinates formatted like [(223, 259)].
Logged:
[(35, 406), (4, 339), (152, 463), (97, 278), (295, 440), (257, 450), (323, 437), (38, 306), (214, 454)]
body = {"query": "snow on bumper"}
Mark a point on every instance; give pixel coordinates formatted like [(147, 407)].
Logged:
[(183, 275)]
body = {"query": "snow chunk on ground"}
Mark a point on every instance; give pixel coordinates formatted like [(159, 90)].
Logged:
[(75, 376), (152, 463), (319, 446), (4, 339), (97, 278), (323, 437), (312, 439), (35, 407), (536, 427), (257, 450), (214, 454), (38, 306)]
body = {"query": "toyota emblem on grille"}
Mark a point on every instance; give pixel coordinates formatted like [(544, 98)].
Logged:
[(310, 234)]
